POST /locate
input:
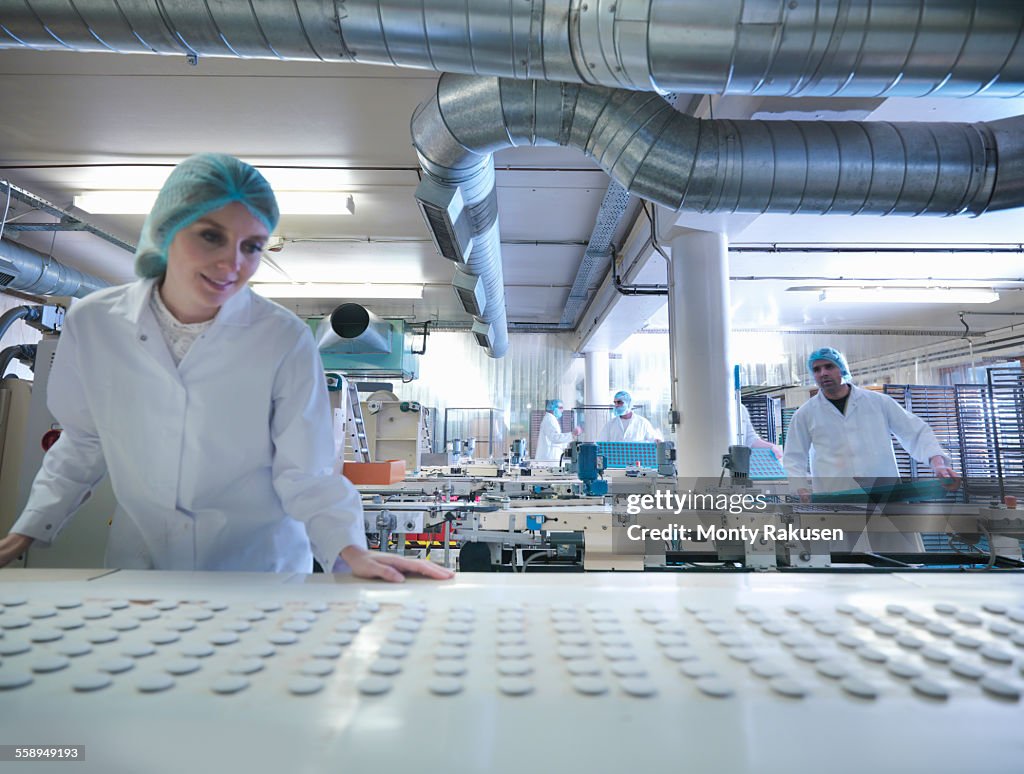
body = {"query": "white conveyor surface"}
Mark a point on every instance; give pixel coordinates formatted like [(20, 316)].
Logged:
[(704, 672)]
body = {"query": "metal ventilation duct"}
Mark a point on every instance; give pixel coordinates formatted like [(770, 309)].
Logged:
[(682, 162), (764, 47), (470, 176), (353, 329), (41, 275), (910, 48), (470, 290), (447, 219)]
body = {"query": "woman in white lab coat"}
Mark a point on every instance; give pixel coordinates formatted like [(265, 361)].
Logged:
[(626, 426), (204, 402), (551, 440)]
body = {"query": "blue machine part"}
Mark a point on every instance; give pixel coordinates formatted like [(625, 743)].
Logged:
[(765, 466), (534, 521), (589, 466), (622, 455), (589, 462)]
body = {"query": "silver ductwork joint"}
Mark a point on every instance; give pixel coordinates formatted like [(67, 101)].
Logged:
[(1007, 138), (822, 48), (24, 269)]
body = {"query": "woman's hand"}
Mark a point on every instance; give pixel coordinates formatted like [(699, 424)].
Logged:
[(13, 546), (390, 567)]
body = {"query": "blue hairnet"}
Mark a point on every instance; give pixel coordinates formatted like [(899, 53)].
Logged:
[(552, 404), (625, 397), (828, 353), (197, 186)]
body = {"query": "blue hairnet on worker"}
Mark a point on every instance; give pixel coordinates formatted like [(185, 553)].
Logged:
[(555, 407), (834, 355), (625, 406), (196, 187), (627, 426)]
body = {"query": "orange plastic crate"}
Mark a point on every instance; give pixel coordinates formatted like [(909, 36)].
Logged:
[(386, 472)]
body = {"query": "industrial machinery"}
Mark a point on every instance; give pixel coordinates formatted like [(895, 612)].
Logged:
[(28, 430), (622, 506), (357, 343), (588, 465)]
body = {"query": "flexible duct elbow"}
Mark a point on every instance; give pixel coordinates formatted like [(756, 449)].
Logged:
[(705, 166)]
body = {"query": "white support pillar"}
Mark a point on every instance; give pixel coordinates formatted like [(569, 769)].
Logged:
[(567, 387), (595, 392), (595, 384), (699, 334)]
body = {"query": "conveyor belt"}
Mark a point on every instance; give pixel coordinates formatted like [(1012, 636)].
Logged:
[(165, 672)]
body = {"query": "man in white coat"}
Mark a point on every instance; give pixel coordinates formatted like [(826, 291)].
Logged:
[(626, 426), (551, 440), (841, 439)]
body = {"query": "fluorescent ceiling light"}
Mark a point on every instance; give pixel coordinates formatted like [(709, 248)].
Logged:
[(904, 295), (337, 290), (289, 202)]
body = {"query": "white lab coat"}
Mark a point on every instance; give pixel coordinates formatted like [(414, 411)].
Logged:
[(634, 430), (221, 463), (749, 433), (551, 440), (834, 448)]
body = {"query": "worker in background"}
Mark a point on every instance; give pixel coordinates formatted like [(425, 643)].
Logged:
[(627, 426), (551, 440), (752, 439), (205, 403), (844, 433)]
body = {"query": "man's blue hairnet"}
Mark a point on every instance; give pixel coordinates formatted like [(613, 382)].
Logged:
[(828, 353), (625, 397), (197, 186), (553, 404)]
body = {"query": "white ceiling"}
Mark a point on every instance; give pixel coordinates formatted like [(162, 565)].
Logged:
[(68, 119)]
